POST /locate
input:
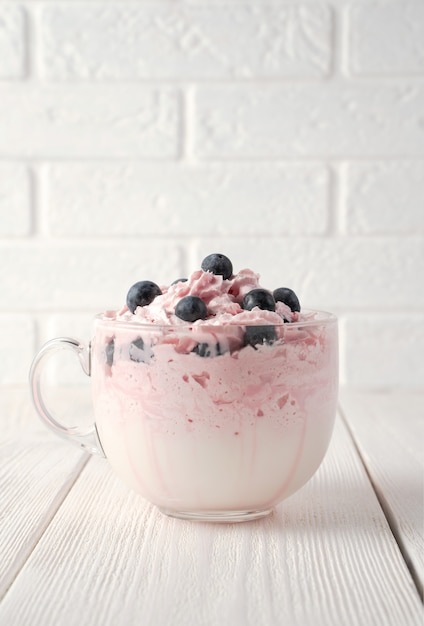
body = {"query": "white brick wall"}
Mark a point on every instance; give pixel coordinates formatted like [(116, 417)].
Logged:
[(136, 137), (12, 42)]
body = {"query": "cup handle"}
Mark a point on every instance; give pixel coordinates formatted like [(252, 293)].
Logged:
[(83, 438)]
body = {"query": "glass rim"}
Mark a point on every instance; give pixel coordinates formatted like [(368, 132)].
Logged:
[(325, 317)]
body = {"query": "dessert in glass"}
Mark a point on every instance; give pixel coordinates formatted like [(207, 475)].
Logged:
[(214, 397)]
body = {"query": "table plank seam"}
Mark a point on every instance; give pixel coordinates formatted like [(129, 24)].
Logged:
[(385, 507), (56, 505)]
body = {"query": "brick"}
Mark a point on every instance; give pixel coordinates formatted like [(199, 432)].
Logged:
[(115, 121), (384, 350), (12, 42), (76, 325), (169, 40), (387, 38), (335, 273), (336, 120), (82, 277), (17, 340), (174, 199), (384, 197), (15, 200)]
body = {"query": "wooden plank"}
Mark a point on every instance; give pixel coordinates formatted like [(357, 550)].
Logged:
[(16, 411), (36, 473), (389, 431), (324, 557)]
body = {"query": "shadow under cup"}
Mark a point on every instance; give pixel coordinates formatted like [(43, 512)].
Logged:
[(215, 422)]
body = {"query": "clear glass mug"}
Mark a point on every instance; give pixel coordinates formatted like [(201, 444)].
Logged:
[(207, 422)]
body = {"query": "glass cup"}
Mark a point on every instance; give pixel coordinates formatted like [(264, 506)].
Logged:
[(208, 422)]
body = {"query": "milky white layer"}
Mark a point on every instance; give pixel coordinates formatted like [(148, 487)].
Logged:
[(240, 431)]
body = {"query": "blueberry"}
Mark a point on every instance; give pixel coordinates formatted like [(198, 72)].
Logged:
[(218, 264), (286, 295), (179, 280), (255, 335), (142, 293), (136, 350), (191, 308), (207, 350), (259, 297), (110, 349)]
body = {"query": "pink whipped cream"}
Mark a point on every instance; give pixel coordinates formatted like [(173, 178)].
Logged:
[(223, 299)]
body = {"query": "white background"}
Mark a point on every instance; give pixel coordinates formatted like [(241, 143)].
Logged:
[(138, 137)]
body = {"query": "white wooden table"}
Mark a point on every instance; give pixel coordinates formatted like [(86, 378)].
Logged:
[(77, 548)]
